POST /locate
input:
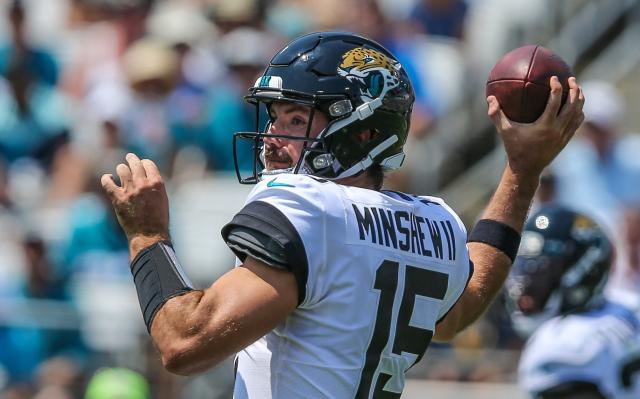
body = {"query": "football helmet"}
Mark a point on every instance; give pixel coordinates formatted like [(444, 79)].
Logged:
[(562, 266), (356, 83)]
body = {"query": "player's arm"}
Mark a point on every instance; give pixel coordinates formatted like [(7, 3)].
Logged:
[(530, 148), (491, 265), (194, 332), (196, 329), (193, 329)]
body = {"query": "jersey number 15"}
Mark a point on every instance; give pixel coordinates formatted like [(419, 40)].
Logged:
[(407, 338)]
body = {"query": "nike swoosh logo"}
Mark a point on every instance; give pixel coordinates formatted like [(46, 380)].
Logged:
[(273, 183)]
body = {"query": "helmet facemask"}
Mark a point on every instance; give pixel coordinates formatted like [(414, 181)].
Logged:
[(310, 144)]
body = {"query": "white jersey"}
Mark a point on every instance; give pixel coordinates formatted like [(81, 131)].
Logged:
[(601, 347), (376, 271)]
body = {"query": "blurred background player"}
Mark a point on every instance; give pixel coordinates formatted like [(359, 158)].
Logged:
[(584, 345)]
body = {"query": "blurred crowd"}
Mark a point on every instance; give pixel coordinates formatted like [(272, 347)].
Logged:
[(86, 81)]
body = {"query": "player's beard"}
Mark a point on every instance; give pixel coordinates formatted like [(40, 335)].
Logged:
[(280, 156)]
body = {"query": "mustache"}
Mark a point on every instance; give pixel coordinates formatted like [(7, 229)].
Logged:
[(273, 154)]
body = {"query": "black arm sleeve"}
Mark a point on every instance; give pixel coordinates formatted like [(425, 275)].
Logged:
[(263, 232)]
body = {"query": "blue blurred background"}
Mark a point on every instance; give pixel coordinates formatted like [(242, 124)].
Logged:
[(82, 82)]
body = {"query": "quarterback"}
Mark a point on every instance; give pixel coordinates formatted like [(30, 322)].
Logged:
[(340, 286)]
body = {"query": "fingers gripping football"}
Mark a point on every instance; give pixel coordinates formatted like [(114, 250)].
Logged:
[(531, 147), (572, 114), (140, 202)]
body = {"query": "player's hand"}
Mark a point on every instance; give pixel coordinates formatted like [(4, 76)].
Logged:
[(531, 147), (141, 203)]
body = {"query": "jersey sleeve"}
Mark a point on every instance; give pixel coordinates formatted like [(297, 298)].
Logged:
[(461, 276), (277, 226)]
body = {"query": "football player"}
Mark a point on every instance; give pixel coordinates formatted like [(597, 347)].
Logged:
[(584, 345), (340, 286)]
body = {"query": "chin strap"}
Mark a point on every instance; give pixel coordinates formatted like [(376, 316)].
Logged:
[(369, 159)]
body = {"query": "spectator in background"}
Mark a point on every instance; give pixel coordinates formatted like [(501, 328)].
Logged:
[(626, 269), (152, 70), (600, 170), (191, 36), (96, 267), (33, 337), (441, 17), (290, 18), (58, 378), (245, 51), (599, 173), (94, 234), (35, 122), (39, 61), (546, 193), (97, 36), (34, 117), (230, 15)]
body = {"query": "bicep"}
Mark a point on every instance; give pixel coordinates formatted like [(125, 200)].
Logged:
[(239, 308), (256, 295)]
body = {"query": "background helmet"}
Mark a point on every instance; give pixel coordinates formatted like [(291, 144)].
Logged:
[(357, 84), (562, 266)]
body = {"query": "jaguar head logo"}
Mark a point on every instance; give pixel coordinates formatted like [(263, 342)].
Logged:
[(375, 73)]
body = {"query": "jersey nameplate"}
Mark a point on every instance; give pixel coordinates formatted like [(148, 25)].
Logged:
[(403, 230)]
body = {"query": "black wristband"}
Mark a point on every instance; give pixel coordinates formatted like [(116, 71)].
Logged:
[(158, 277), (499, 235)]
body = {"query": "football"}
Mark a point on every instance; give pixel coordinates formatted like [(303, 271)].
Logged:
[(520, 81)]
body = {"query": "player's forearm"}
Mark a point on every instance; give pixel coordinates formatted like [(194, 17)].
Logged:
[(509, 205), (178, 317), (512, 198), (488, 277)]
